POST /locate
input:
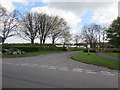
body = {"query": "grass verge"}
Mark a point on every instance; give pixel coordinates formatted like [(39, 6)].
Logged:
[(96, 60), (112, 54), (31, 54)]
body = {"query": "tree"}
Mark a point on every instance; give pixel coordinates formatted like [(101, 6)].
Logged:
[(59, 26), (66, 37), (2, 11), (9, 24), (76, 38), (105, 27), (99, 31), (90, 35), (29, 28), (41, 25), (45, 24), (94, 34), (50, 26), (113, 33)]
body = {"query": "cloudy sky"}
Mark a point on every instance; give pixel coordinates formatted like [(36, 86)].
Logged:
[(75, 12)]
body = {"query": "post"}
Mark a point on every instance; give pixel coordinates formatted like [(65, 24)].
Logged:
[(88, 46)]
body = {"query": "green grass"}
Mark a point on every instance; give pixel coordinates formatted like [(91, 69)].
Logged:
[(31, 54), (96, 60), (112, 54)]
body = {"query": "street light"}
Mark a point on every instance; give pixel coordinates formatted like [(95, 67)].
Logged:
[(88, 46)]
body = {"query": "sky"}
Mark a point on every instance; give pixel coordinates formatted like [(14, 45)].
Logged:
[(75, 12)]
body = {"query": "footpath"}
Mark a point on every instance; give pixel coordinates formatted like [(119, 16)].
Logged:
[(107, 57)]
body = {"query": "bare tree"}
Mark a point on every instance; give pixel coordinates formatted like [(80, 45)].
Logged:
[(104, 33), (100, 31), (44, 22), (76, 39), (66, 37), (2, 11), (9, 25), (50, 26), (29, 27), (89, 35), (59, 26), (42, 26)]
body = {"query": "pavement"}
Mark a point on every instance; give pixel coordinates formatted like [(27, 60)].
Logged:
[(55, 71), (105, 56)]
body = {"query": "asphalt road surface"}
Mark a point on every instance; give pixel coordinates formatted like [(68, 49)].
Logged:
[(55, 71), (108, 57)]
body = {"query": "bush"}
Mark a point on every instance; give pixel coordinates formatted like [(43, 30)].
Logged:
[(50, 48), (91, 50), (32, 48), (12, 51), (77, 49), (112, 50), (23, 48)]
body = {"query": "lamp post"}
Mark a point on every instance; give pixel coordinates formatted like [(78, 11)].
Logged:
[(88, 46)]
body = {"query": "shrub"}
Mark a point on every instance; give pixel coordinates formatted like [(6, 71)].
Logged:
[(112, 50), (23, 48), (32, 48), (12, 51), (77, 49), (91, 50)]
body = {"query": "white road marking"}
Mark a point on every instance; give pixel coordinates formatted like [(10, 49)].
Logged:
[(77, 70), (25, 64), (17, 64), (43, 66), (91, 72), (63, 68), (33, 65), (107, 73), (52, 67)]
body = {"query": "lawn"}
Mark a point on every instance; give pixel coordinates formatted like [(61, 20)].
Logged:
[(96, 60), (112, 54), (32, 53)]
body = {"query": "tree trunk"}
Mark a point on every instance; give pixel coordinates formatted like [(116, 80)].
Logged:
[(40, 41), (3, 40), (91, 45), (43, 41), (103, 41), (32, 41), (53, 42), (99, 42)]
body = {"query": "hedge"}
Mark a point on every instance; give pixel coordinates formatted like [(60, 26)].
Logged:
[(77, 49), (32, 48), (91, 50), (41, 48)]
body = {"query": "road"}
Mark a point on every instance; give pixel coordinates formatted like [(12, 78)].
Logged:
[(55, 71)]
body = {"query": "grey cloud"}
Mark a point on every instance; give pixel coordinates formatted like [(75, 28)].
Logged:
[(78, 7)]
